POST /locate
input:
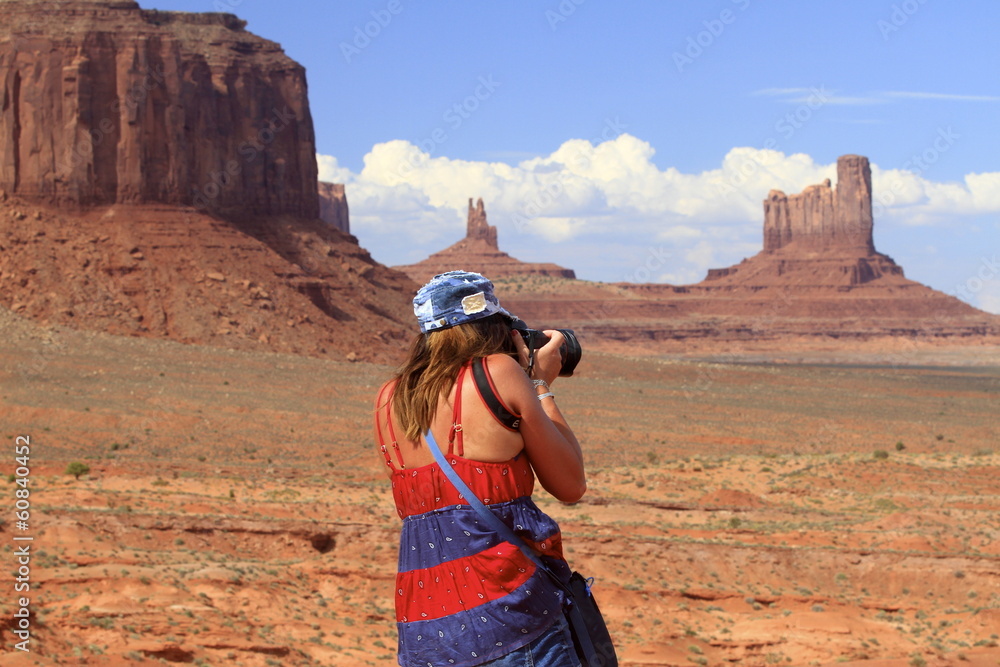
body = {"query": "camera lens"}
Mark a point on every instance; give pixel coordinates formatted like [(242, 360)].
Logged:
[(569, 351)]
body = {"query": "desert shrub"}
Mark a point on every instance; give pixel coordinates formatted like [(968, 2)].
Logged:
[(76, 468), (900, 446), (881, 454)]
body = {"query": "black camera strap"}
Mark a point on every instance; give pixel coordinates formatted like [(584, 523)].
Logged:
[(484, 384)]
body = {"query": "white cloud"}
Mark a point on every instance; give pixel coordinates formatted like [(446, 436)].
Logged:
[(808, 95), (406, 204), (989, 296), (913, 95), (330, 171), (820, 96), (907, 198)]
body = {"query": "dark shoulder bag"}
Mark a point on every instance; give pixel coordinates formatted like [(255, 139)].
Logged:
[(591, 639)]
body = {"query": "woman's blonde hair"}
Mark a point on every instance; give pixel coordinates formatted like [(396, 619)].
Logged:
[(433, 364)]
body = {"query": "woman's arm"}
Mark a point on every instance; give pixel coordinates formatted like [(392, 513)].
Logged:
[(549, 441)]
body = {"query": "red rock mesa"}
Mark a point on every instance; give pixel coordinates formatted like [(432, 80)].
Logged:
[(818, 278), (158, 177)]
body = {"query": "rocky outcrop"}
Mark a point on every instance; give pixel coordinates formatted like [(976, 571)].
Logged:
[(158, 178), (480, 252), (477, 228), (821, 217), (821, 237), (333, 206), (102, 102), (818, 278)]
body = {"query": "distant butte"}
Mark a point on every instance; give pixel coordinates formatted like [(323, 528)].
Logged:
[(333, 206), (479, 252), (817, 279), (820, 237)]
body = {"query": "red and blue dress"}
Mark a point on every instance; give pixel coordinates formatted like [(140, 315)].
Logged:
[(464, 596)]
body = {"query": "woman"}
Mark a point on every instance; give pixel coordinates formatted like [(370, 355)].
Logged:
[(463, 596)]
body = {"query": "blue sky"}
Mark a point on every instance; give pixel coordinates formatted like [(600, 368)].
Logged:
[(602, 134)]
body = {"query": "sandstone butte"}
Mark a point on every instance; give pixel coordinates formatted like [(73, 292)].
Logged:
[(158, 178), (817, 279), (333, 208), (480, 252)]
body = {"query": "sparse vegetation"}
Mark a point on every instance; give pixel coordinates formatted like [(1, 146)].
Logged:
[(77, 469), (810, 500)]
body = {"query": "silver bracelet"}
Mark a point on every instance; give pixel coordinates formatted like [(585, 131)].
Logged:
[(546, 395), (540, 383)]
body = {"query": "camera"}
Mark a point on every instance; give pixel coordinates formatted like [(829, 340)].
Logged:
[(570, 350)]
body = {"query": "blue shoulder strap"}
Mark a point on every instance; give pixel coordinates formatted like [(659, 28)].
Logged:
[(580, 630), (491, 519)]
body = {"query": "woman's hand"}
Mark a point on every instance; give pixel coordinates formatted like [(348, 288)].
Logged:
[(548, 358), (550, 443)]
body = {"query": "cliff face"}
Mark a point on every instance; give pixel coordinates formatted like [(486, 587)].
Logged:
[(820, 217), (158, 178), (479, 252), (105, 103), (333, 206)]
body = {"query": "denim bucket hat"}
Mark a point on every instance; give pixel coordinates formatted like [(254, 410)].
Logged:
[(455, 297)]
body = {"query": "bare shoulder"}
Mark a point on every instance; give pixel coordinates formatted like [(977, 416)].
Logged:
[(509, 379), (504, 368), (381, 396)]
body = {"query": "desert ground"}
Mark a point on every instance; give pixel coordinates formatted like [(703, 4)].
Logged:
[(811, 508)]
